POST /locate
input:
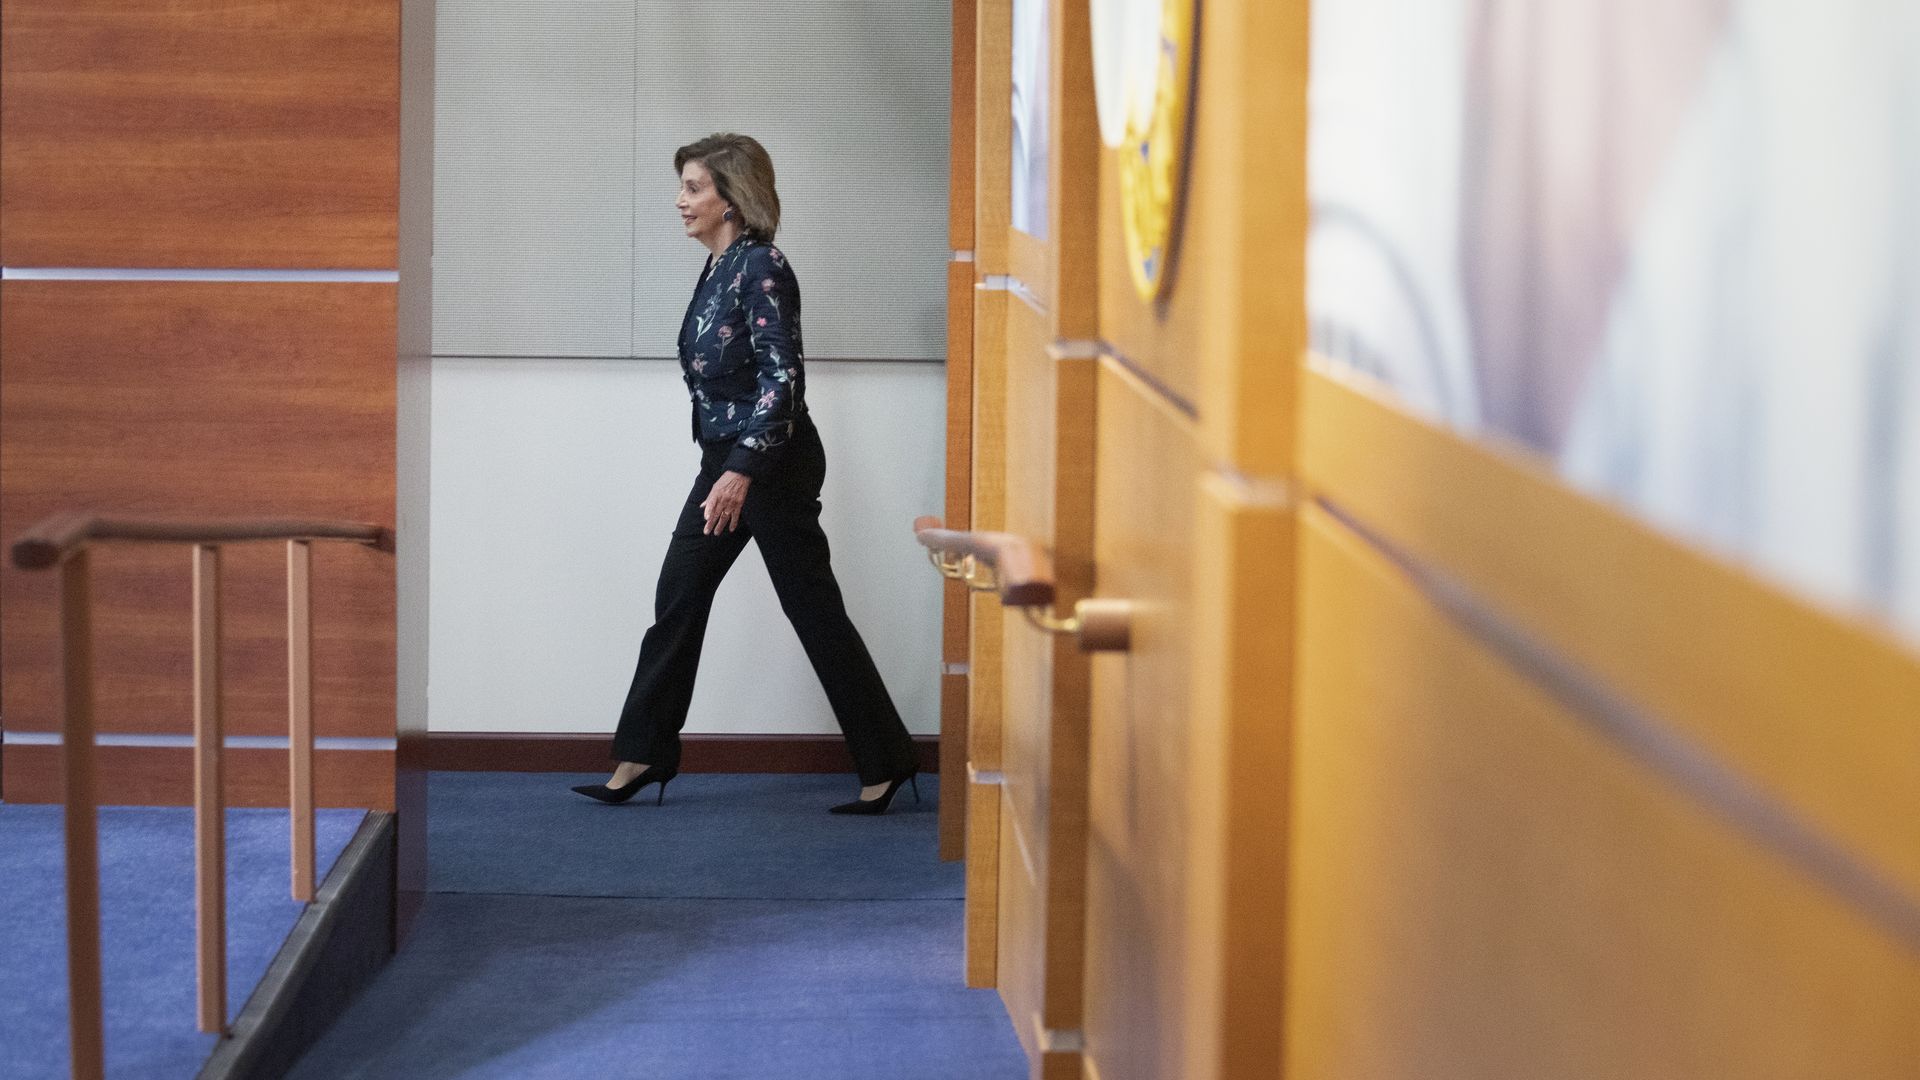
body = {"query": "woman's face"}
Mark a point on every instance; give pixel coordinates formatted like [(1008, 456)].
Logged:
[(701, 208)]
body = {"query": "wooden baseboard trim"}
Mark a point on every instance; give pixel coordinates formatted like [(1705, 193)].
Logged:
[(163, 776), (489, 751), (341, 942)]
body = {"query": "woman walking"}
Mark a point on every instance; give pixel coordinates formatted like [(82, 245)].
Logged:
[(761, 469)]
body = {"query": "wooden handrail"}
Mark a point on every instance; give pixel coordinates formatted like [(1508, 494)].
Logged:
[(1023, 573), (54, 538), (64, 541)]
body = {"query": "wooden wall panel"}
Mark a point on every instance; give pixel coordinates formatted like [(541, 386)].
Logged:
[(157, 133), (1753, 676), (1141, 756), (1161, 340), (201, 399), (1484, 887), (163, 776), (1232, 318)]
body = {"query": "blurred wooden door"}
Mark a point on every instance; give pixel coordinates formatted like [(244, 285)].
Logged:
[(1311, 795), (1193, 525), (1126, 916), (1031, 451)]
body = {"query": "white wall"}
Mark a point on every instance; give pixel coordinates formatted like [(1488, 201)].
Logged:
[(556, 484)]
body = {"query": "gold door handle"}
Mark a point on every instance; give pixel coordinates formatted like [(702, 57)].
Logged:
[(949, 568), (980, 577), (1101, 624), (1022, 575), (965, 569)]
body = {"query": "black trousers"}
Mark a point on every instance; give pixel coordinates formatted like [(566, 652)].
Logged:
[(782, 513)]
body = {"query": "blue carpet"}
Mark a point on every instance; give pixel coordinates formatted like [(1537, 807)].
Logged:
[(737, 931), (564, 987), (146, 862), (720, 835)]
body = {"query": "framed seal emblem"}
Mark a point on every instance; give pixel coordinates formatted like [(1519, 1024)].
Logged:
[(1143, 65)]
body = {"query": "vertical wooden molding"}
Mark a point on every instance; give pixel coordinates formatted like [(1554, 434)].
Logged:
[(982, 945), (993, 168), (300, 714), (1074, 237), (993, 136), (960, 161), (955, 602), (989, 512), (1252, 342), (961, 313), (1252, 216), (1242, 727), (953, 767), (1069, 733), (959, 515), (209, 809), (85, 1031)]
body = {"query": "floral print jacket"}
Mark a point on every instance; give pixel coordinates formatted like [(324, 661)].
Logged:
[(740, 353)]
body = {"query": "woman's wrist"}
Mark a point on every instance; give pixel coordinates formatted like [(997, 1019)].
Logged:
[(746, 461)]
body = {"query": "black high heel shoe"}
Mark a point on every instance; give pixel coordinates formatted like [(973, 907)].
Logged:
[(628, 790), (879, 805)]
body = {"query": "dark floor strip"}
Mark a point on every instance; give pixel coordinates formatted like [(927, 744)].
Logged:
[(335, 951)]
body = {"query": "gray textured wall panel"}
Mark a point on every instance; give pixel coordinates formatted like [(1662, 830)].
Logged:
[(554, 227), (533, 204), (851, 99)]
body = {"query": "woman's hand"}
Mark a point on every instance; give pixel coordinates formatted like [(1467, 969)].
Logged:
[(723, 503)]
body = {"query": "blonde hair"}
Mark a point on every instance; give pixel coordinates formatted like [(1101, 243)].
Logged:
[(742, 174)]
